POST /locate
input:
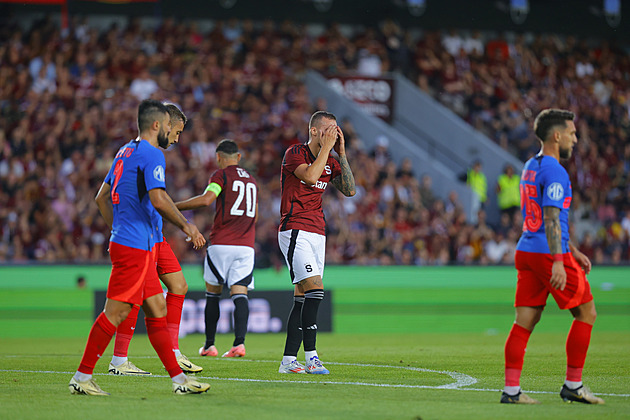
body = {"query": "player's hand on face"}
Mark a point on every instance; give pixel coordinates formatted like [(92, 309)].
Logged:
[(330, 137), (558, 275), (340, 146)]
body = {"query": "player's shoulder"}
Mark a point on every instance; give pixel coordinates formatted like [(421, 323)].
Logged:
[(296, 149)]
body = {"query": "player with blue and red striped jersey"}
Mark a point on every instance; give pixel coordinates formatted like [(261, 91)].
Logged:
[(547, 262)]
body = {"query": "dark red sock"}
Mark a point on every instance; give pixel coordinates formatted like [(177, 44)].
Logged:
[(515, 354), (161, 342), (125, 331), (174, 305), (100, 335), (577, 345)]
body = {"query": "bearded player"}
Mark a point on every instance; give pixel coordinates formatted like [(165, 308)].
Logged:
[(170, 273)]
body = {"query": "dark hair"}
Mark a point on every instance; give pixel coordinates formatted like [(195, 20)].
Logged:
[(318, 116), (149, 111), (227, 146), (550, 118), (175, 113)]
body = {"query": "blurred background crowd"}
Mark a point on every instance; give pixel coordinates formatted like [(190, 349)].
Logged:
[(68, 101)]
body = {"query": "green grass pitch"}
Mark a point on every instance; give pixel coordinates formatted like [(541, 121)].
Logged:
[(413, 350)]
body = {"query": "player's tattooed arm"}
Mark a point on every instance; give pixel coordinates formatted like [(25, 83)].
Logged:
[(553, 229), (345, 181)]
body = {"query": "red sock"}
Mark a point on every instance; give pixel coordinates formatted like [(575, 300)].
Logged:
[(161, 342), (124, 332), (100, 335), (174, 304), (577, 345), (514, 354)]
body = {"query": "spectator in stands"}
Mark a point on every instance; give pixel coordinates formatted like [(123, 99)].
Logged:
[(508, 191)]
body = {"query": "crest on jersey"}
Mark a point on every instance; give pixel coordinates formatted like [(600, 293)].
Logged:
[(158, 173), (555, 191)]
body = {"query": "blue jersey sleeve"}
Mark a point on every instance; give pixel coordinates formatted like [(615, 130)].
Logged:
[(154, 170), (556, 187)]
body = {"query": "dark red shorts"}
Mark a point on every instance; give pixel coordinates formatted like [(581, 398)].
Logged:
[(134, 276), (533, 287), (166, 259)]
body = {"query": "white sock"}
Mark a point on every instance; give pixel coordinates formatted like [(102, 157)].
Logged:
[(82, 377), (310, 354), (179, 379), (572, 384), (511, 390), (177, 352), (288, 359), (117, 361)]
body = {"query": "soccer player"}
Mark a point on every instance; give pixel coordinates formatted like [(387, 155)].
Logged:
[(170, 273), (547, 262), (306, 171), (132, 191), (230, 257)]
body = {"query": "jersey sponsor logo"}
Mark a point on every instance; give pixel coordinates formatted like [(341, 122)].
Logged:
[(319, 184), (555, 191), (158, 173)]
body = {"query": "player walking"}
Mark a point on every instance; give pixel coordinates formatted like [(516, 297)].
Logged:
[(170, 273), (547, 262), (136, 186), (306, 171), (230, 257)]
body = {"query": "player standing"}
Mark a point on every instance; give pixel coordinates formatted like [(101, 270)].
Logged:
[(230, 257), (547, 262), (132, 191), (170, 273), (306, 171)]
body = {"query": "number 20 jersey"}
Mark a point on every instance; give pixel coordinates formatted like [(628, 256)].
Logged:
[(234, 220), (544, 183)]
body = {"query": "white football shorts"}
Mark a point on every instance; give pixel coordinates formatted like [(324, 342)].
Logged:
[(304, 252), (229, 265)]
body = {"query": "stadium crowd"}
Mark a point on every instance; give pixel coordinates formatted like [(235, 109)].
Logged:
[(68, 100)]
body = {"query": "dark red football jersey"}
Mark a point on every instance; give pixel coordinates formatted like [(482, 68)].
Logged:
[(234, 221), (301, 206)]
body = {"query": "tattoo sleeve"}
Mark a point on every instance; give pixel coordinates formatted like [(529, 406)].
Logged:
[(345, 181), (553, 229)]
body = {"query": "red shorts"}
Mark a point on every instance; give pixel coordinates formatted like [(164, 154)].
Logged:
[(134, 276), (533, 287), (166, 259)]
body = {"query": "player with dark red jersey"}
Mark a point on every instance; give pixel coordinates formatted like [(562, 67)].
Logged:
[(132, 192), (230, 256), (547, 262), (306, 171), (170, 273)]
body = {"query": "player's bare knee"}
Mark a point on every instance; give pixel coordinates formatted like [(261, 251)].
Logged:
[(179, 288)]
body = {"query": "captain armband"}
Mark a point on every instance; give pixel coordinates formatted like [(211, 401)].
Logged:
[(214, 187)]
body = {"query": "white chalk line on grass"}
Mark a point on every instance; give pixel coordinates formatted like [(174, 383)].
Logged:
[(461, 379)]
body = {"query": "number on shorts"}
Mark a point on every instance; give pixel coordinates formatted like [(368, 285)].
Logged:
[(249, 192), (118, 170)]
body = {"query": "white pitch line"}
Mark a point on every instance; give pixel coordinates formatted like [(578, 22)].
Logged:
[(329, 382)]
